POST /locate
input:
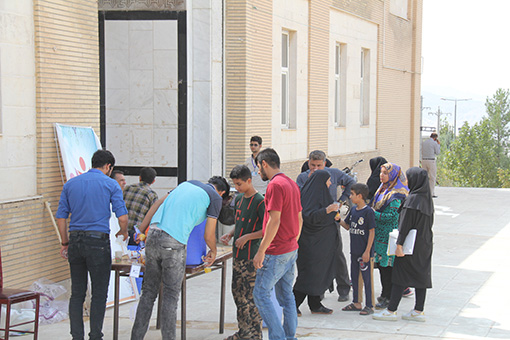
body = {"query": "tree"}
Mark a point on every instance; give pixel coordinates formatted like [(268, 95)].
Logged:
[(446, 137), (470, 160), (498, 112)]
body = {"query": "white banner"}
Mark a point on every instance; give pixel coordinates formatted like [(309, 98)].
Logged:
[(77, 145)]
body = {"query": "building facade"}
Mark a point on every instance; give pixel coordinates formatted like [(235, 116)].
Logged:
[(339, 76), (181, 85)]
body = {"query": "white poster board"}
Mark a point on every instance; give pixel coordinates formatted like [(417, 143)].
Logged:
[(77, 145)]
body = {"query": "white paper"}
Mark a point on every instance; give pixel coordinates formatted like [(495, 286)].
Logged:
[(135, 270), (408, 245)]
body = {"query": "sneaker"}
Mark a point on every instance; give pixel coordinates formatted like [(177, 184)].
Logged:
[(407, 292), (385, 315), (383, 304), (322, 310), (414, 316)]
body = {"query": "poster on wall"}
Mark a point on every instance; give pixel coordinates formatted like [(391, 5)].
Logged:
[(77, 145)]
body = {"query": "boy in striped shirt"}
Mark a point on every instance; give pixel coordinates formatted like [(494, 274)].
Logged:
[(249, 215)]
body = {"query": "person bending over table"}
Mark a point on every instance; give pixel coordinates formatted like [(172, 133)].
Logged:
[(172, 218)]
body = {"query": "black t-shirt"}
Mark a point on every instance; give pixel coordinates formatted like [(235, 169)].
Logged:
[(360, 222)]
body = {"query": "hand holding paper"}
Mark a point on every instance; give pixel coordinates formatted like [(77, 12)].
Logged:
[(408, 246)]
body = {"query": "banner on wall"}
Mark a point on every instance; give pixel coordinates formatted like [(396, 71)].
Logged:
[(77, 145)]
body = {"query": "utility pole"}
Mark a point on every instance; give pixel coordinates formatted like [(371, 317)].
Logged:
[(438, 113), (455, 112)]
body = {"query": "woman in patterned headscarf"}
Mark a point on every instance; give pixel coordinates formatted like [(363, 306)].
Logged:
[(386, 201)]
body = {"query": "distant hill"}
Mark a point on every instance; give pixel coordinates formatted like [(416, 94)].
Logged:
[(471, 111)]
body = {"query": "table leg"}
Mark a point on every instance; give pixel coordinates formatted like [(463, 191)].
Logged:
[(116, 307), (222, 301), (183, 309)]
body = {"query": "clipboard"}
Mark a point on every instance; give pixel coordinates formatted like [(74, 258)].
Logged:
[(408, 245)]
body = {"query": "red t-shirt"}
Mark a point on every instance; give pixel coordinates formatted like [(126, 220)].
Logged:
[(283, 195)]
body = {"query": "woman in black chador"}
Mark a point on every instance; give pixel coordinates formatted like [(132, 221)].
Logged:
[(417, 212), (317, 244), (374, 181)]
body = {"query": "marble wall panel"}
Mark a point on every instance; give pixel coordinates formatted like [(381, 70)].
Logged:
[(117, 74), (141, 118), (141, 25), (165, 69), (140, 50), (117, 99), (165, 108), (117, 34), (165, 35), (202, 44), (165, 146), (141, 89)]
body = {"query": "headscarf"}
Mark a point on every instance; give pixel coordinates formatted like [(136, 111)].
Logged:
[(373, 181), (419, 197), (396, 189), (315, 193)]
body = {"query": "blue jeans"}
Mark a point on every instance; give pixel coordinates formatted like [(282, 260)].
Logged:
[(165, 263), (88, 254), (277, 271)]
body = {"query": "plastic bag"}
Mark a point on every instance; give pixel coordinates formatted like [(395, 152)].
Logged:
[(20, 312), (50, 310)]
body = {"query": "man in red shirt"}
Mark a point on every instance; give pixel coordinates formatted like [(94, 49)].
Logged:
[(277, 252)]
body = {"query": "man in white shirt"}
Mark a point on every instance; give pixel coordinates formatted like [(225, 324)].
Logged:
[(430, 148), (251, 163)]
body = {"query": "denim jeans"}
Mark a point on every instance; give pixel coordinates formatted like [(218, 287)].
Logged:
[(88, 254), (277, 271), (165, 262)]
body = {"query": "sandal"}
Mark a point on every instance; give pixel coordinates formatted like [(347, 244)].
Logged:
[(351, 308), (367, 311)]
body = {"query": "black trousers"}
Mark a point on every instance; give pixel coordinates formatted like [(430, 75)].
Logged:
[(314, 302), (396, 296), (385, 273)]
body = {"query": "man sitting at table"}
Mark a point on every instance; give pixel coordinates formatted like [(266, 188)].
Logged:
[(172, 218)]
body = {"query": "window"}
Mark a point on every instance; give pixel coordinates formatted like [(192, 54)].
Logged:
[(365, 87), (285, 79), (340, 94)]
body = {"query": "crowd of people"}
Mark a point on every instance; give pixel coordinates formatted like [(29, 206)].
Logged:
[(281, 226)]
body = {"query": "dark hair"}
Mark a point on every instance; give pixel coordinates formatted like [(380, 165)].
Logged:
[(116, 172), (257, 139), (270, 157), (240, 172), (317, 155), (147, 175), (360, 188), (433, 135), (220, 184), (102, 157)]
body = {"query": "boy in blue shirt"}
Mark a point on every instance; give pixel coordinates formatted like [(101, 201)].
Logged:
[(249, 214), (360, 222)]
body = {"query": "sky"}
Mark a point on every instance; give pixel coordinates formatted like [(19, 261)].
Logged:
[(465, 47)]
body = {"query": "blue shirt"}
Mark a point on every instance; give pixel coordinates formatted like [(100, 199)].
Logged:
[(187, 206), (87, 198), (360, 222), (338, 177)]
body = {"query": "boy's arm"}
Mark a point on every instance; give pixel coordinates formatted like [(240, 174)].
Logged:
[(371, 236), (241, 241), (210, 240), (272, 226), (148, 217), (225, 239)]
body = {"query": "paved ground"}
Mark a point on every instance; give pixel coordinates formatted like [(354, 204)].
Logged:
[(469, 299)]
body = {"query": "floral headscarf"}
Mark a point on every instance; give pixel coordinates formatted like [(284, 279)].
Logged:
[(396, 189)]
